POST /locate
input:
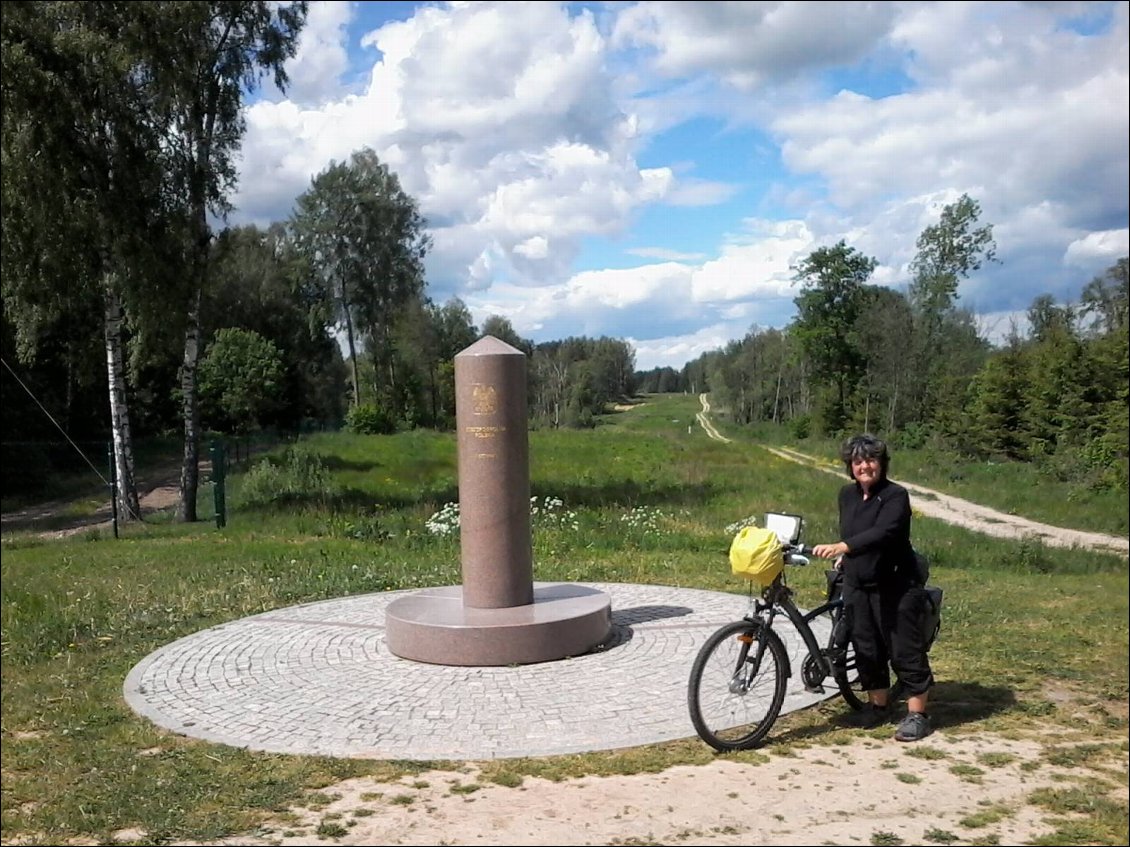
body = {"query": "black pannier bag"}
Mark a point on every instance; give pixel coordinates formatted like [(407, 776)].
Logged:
[(931, 608)]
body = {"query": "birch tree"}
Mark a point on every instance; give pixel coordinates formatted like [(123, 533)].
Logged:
[(945, 350), (364, 239), (218, 52), (81, 182)]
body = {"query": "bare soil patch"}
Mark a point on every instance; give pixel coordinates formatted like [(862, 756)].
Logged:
[(848, 794), (158, 492)]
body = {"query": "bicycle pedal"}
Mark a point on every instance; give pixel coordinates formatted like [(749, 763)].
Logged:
[(815, 689)]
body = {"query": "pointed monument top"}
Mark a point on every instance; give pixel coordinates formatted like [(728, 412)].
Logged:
[(488, 345)]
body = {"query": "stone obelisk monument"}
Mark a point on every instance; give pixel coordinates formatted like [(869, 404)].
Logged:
[(499, 615)]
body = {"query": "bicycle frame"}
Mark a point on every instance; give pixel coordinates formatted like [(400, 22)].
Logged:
[(778, 599)]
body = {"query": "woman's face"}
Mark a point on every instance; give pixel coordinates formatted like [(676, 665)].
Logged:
[(866, 470)]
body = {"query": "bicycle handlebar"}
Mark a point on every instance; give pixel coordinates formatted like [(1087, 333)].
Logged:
[(798, 554)]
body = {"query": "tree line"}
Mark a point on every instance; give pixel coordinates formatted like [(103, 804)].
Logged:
[(916, 367)]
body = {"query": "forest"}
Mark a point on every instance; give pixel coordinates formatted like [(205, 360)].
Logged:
[(132, 310)]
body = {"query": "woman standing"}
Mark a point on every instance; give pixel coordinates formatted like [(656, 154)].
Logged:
[(882, 598)]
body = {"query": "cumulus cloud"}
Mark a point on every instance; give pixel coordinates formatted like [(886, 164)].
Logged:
[(750, 44), (498, 119), (1105, 248), (529, 132), (320, 60), (760, 266)]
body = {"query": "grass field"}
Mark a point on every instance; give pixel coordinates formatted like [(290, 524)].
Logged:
[(1035, 637)]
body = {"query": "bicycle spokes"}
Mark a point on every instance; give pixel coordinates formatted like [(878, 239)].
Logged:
[(737, 685)]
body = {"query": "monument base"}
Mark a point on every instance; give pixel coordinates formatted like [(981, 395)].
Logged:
[(434, 626)]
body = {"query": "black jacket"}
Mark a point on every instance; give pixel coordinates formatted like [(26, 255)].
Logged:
[(877, 533)]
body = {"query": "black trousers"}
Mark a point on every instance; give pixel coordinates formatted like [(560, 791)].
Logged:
[(888, 633)]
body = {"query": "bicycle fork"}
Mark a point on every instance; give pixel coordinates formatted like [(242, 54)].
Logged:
[(747, 668)]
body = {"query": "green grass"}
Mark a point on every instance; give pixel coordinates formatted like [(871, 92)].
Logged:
[(642, 499)]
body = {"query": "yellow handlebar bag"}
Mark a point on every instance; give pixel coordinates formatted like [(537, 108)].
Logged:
[(756, 555)]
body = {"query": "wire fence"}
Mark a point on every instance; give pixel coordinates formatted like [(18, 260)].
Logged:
[(41, 478)]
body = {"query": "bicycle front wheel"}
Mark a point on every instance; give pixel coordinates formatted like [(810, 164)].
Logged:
[(737, 685)]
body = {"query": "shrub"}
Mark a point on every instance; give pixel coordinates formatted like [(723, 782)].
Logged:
[(369, 419), (299, 476)]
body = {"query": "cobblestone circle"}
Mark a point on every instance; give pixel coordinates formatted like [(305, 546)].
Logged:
[(317, 679)]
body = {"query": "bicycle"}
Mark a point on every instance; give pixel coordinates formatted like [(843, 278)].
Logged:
[(739, 678)]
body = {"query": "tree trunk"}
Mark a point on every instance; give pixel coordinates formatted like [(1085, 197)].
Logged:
[(433, 391), (129, 506), (352, 351), (892, 404), (777, 399), (190, 466)]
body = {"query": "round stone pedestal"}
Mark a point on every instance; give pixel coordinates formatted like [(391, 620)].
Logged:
[(434, 626)]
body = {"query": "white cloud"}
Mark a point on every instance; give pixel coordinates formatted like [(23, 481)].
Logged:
[(498, 119), (1103, 247), (593, 302), (700, 192), (320, 60), (748, 44), (530, 132), (759, 267), (676, 351), (664, 253)]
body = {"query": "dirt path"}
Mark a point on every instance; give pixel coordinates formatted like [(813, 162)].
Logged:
[(956, 511), (159, 491), (704, 421)]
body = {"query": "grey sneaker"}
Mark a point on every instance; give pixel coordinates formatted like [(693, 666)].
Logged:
[(914, 727)]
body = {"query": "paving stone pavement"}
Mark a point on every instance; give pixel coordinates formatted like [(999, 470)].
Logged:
[(317, 679)]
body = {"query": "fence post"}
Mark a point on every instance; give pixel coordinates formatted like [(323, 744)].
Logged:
[(113, 486), (217, 452)]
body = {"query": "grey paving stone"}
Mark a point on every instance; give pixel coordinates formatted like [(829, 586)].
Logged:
[(318, 679)]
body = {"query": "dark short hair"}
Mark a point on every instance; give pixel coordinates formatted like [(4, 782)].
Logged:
[(865, 447)]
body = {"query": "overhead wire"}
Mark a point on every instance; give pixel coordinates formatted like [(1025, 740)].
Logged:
[(51, 417)]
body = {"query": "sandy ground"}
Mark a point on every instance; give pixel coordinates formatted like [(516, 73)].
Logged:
[(869, 792)]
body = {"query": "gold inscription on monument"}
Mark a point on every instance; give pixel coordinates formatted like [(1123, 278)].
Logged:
[(484, 399), (484, 431)]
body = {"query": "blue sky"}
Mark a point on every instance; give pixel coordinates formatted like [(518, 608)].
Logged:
[(653, 171)]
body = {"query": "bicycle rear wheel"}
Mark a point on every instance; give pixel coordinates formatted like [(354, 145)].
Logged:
[(844, 670), (737, 685)]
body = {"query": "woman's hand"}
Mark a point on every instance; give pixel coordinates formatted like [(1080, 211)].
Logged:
[(830, 551)]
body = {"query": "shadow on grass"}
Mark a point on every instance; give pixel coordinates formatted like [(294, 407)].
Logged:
[(337, 463), (955, 703), (952, 704), (623, 494)]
